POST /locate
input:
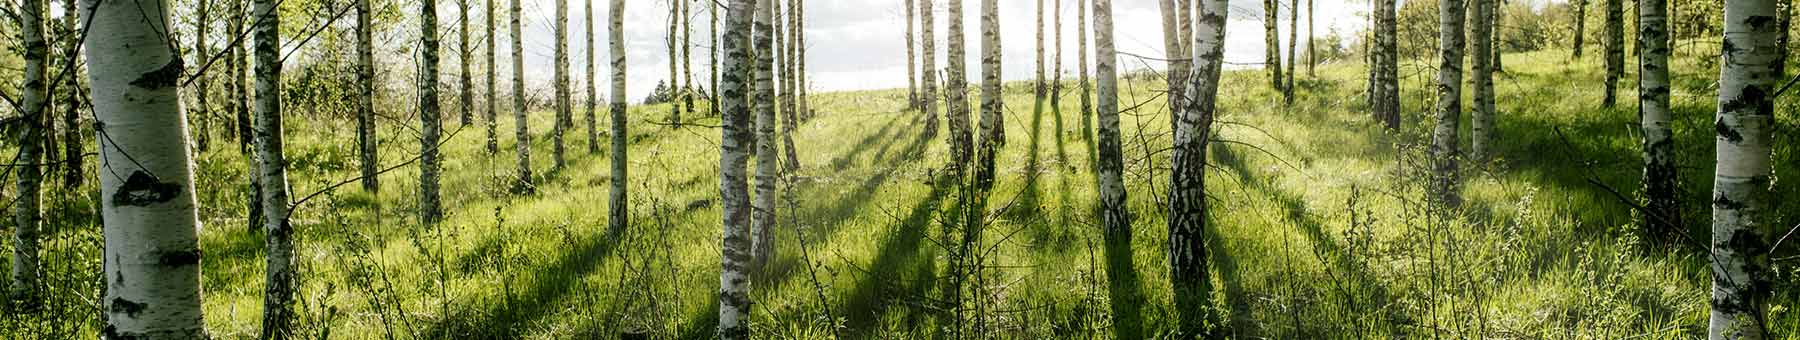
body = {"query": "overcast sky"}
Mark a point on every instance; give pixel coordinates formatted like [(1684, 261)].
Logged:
[(859, 44)]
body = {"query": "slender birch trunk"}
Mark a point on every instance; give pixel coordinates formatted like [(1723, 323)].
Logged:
[(993, 96), (673, 38), (1039, 89), (617, 216), (1272, 41), (734, 144), (956, 91), (1176, 53), (1743, 173), (1444, 150), (1386, 77), (1187, 180), (687, 61), (911, 58), (241, 108), (462, 58), (593, 133), (1615, 50), (365, 99), (797, 98), (1580, 25), (1056, 61), (202, 86), (1312, 53), (73, 153), (26, 289), (279, 272), (493, 143), (762, 73), (431, 121), (561, 78), (152, 254), (806, 113), (1081, 53), (1481, 34), (712, 10), (928, 96), (1113, 215), (522, 143), (1661, 219), (1287, 91)]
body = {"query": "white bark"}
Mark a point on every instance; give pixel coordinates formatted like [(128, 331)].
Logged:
[(522, 131), (278, 286), (734, 144), (617, 215), (25, 288), (1444, 151), (762, 215), (928, 96), (430, 118), (992, 94), (152, 256), (1743, 173)]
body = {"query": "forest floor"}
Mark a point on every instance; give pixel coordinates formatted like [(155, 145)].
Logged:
[(1316, 230)]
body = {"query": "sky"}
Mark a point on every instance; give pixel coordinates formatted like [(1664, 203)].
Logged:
[(859, 44)]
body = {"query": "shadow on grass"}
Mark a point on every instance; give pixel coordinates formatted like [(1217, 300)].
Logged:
[(552, 283), (886, 283), (1123, 287)]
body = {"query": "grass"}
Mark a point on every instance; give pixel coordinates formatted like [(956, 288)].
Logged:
[(1314, 233)]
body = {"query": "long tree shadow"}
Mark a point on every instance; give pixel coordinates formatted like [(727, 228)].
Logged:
[(886, 283), (1123, 287), (551, 284)]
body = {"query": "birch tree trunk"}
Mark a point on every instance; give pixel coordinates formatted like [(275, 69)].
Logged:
[(365, 99), (1615, 50), (1312, 54), (912, 74), (734, 196), (1081, 53), (1287, 91), (956, 89), (462, 58), (241, 108), (806, 113), (1187, 180), (1272, 41), (26, 289), (493, 143), (712, 10), (203, 83), (431, 120), (687, 61), (593, 133), (1580, 25), (1056, 62), (1481, 32), (993, 96), (1386, 82), (1444, 151), (796, 98), (1662, 217), (928, 96), (617, 215), (1039, 88), (1176, 53), (762, 215), (673, 39), (152, 255), (1743, 173), (73, 173), (561, 77), (522, 143), (1113, 215), (278, 234)]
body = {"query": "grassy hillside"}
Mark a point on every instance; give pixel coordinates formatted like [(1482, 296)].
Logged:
[(1316, 231)]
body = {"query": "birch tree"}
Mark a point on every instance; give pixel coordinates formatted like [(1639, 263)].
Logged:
[(672, 38), (1385, 82), (1176, 53), (593, 133), (493, 143), (561, 78), (806, 113), (240, 107), (687, 61), (1081, 53), (151, 255), (73, 153), (1113, 214), (735, 253), (1742, 172), (956, 91), (25, 288), (617, 216), (992, 95), (1580, 25), (796, 98), (1615, 50), (1039, 89), (522, 143), (1187, 179), (1056, 62), (762, 73), (1444, 185), (431, 121), (279, 271), (1312, 53), (462, 57), (912, 75), (202, 92), (1481, 56), (1272, 41), (1287, 91), (365, 99), (1662, 215), (928, 96)]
